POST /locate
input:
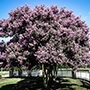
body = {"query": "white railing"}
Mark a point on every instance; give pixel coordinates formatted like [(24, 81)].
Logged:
[(84, 74)]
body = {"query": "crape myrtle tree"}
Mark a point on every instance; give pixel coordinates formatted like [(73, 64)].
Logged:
[(2, 54), (15, 56), (46, 36), (7, 57)]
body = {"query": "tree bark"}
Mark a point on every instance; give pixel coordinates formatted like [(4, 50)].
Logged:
[(46, 75), (73, 74), (20, 72), (11, 72)]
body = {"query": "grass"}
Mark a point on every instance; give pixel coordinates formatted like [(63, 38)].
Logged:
[(74, 84), (7, 81), (20, 83), (36, 83)]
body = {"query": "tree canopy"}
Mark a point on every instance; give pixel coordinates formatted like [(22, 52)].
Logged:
[(44, 35)]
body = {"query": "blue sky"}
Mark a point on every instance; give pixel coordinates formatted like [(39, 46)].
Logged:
[(79, 7)]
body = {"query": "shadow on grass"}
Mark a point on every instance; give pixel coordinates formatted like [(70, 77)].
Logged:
[(33, 83), (86, 83), (60, 84), (7, 87), (36, 83)]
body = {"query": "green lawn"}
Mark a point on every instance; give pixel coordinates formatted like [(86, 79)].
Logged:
[(37, 83), (73, 84), (7, 81)]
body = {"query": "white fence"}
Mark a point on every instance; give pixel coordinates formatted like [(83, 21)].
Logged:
[(84, 74)]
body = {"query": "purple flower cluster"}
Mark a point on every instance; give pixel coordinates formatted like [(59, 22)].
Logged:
[(45, 35)]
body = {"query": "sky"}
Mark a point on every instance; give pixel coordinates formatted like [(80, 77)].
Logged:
[(79, 7)]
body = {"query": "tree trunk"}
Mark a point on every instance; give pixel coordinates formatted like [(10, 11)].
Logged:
[(73, 74), (20, 72), (46, 75), (11, 72)]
